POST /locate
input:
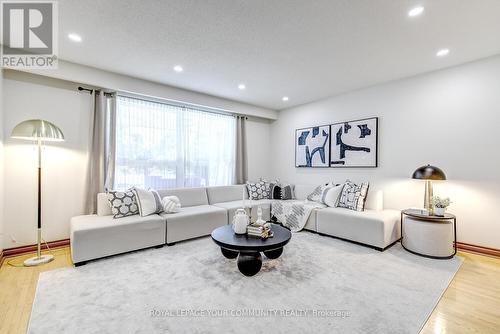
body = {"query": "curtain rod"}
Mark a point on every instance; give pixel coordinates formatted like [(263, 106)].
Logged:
[(168, 102), (80, 88)]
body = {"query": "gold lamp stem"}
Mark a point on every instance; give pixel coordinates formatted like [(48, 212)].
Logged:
[(428, 197)]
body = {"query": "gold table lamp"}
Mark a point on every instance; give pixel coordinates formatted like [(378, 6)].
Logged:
[(428, 173)]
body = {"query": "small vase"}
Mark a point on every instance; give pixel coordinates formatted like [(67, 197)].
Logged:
[(439, 212)]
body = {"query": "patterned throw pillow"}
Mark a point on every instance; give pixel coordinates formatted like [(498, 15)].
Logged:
[(274, 190), (353, 196), (278, 190), (258, 190), (318, 194), (123, 203), (148, 201), (287, 191), (171, 204)]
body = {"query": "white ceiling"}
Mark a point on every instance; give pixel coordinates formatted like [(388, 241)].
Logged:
[(304, 49)]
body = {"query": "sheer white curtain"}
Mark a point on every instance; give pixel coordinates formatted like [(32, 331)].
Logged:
[(165, 146)]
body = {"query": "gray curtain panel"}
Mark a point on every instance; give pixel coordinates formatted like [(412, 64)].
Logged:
[(101, 148), (241, 165)]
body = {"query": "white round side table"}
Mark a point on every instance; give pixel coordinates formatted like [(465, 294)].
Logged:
[(429, 236)]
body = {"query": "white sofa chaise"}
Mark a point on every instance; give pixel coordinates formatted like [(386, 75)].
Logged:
[(96, 236), (379, 229)]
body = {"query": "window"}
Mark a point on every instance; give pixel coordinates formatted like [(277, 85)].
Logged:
[(166, 146)]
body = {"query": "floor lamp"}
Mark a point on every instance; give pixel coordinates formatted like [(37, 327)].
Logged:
[(39, 131)]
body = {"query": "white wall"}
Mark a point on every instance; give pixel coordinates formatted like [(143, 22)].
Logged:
[(63, 166), (258, 148), (32, 96), (448, 118)]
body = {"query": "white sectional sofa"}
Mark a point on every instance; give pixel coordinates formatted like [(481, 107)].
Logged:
[(204, 209)]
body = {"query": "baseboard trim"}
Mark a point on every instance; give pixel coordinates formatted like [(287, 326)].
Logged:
[(15, 251), (478, 249)]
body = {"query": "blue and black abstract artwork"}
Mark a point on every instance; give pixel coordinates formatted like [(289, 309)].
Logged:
[(312, 147)]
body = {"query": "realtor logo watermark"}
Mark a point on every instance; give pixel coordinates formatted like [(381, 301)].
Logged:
[(29, 34)]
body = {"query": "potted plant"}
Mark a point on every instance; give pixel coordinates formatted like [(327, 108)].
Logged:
[(440, 205)]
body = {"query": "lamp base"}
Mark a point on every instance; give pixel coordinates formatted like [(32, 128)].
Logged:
[(36, 261)]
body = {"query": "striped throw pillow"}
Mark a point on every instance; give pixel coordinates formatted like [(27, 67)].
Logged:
[(148, 201)]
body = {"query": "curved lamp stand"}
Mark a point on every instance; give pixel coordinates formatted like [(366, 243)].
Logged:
[(38, 130)]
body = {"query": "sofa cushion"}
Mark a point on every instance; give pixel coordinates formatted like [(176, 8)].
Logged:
[(187, 196), (375, 228), (194, 221), (227, 193)]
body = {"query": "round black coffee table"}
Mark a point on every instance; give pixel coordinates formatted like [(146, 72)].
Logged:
[(248, 249)]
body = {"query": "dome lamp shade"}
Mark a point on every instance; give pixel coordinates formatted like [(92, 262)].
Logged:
[(37, 129), (429, 173)]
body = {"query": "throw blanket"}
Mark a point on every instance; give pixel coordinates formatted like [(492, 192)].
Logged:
[(293, 214)]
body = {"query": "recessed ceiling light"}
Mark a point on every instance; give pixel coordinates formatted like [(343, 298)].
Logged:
[(242, 86), (285, 98), (75, 37), (442, 52), (416, 11), (178, 68)]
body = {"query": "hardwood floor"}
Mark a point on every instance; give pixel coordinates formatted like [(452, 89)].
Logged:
[(471, 304), (18, 286)]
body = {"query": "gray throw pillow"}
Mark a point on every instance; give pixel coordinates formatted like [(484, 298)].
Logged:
[(258, 190), (123, 203)]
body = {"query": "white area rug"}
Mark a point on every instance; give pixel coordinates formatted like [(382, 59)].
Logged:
[(318, 285)]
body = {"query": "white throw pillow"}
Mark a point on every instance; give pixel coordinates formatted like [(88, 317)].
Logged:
[(148, 201), (331, 196), (171, 204)]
